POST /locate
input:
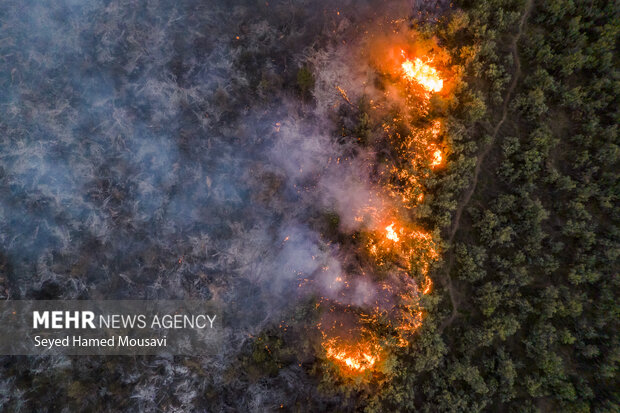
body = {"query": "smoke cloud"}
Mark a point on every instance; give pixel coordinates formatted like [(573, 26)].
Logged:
[(160, 149)]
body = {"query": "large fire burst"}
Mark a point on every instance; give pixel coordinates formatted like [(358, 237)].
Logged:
[(393, 241), (422, 73)]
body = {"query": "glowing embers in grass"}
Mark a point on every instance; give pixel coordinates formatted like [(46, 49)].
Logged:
[(358, 339), (420, 149), (348, 337), (415, 155), (437, 156), (358, 332), (422, 73)]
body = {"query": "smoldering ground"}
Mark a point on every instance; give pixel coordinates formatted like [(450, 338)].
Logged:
[(163, 149)]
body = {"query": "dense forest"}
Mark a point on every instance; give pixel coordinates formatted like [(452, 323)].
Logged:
[(532, 266), (238, 135)]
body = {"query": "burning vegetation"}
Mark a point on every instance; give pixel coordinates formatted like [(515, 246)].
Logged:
[(398, 251), (422, 73), (357, 356)]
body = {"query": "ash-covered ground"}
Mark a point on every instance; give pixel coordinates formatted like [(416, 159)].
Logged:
[(173, 150)]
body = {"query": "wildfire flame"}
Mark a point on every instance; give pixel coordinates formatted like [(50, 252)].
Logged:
[(356, 357), (428, 284), (437, 158), (422, 73), (391, 234), (403, 247)]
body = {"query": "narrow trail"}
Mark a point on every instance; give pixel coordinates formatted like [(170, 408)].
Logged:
[(481, 156)]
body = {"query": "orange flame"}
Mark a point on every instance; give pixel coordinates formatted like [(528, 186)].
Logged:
[(423, 74), (437, 158), (428, 285), (356, 358), (391, 234)]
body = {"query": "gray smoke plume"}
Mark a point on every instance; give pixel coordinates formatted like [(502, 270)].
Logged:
[(161, 149)]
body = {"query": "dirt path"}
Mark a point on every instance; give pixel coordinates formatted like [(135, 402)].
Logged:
[(467, 197)]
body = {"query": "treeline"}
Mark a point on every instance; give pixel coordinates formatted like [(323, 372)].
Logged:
[(535, 272)]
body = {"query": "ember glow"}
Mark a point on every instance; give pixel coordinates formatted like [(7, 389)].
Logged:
[(395, 245), (416, 152), (422, 73)]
